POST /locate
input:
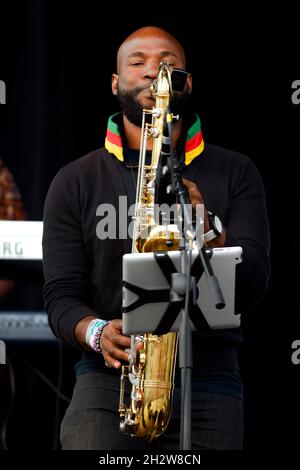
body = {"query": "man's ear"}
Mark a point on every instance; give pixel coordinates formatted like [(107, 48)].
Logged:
[(189, 82), (114, 83)]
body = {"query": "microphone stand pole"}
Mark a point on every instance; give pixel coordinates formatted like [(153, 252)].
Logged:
[(185, 335), (186, 355)]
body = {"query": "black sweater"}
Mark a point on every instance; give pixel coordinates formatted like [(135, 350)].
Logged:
[(83, 273)]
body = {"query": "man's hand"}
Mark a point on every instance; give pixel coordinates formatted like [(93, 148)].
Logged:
[(113, 343), (196, 198)]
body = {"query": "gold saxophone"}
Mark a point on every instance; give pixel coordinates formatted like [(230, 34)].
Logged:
[(151, 369)]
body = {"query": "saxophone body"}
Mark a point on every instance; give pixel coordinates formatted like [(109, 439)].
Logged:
[(152, 358)]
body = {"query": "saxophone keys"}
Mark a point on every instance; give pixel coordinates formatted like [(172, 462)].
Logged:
[(156, 112)]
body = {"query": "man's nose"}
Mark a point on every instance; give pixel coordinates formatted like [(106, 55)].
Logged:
[(151, 70)]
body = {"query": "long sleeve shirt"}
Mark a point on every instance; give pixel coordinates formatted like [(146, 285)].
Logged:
[(83, 274)]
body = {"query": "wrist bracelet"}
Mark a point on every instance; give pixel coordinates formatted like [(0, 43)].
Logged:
[(94, 332), (208, 236)]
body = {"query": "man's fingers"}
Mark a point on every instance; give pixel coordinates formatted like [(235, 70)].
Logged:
[(112, 335), (120, 340), (116, 323), (113, 344), (114, 356), (111, 362), (114, 338)]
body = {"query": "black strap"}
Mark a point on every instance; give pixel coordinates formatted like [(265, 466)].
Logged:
[(169, 317), (146, 296), (197, 268), (166, 265), (198, 319), (196, 315), (163, 295)]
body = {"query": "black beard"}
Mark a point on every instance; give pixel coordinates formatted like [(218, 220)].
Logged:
[(130, 106), (133, 110)]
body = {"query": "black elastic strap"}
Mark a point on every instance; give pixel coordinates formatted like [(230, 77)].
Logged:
[(169, 317), (198, 319), (166, 265), (146, 296), (163, 295)]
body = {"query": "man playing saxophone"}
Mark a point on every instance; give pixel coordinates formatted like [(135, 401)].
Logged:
[(83, 273)]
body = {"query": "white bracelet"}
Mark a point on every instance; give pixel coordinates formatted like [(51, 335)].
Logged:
[(94, 332), (208, 236)]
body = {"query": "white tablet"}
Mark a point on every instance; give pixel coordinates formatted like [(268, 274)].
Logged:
[(146, 290)]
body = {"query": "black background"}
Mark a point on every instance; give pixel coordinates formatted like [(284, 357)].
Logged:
[(56, 59)]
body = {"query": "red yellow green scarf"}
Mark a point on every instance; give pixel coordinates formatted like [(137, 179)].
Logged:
[(193, 147)]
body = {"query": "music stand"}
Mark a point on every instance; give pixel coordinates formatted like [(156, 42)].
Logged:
[(154, 296)]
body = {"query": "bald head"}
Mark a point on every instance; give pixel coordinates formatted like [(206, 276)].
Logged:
[(138, 61), (150, 36)]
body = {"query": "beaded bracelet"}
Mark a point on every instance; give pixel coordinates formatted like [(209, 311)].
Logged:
[(94, 332)]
